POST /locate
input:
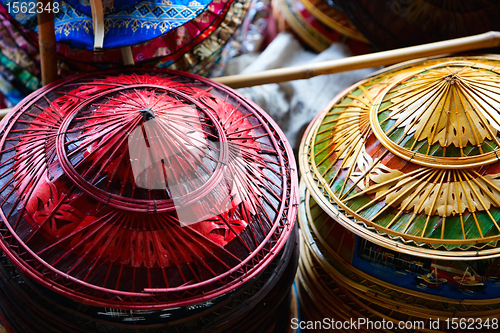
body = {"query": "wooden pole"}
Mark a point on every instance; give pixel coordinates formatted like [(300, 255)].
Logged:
[(3, 112), (485, 40), (98, 24), (127, 56), (47, 41)]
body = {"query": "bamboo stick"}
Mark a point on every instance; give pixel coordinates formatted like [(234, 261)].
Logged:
[(485, 40), (98, 24), (47, 41), (3, 112), (127, 56)]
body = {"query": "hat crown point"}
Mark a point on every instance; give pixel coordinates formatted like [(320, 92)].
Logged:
[(147, 113)]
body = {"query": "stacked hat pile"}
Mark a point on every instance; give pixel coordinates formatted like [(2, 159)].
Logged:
[(318, 24), (186, 35), (400, 200), (145, 201)]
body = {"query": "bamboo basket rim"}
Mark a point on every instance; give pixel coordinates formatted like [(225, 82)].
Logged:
[(389, 302), (404, 309)]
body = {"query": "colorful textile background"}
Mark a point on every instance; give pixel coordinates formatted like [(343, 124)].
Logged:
[(19, 65), (127, 23)]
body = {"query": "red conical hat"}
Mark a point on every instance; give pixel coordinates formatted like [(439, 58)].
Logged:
[(145, 189)]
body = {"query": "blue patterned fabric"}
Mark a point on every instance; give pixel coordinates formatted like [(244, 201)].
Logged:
[(127, 23), (110, 6)]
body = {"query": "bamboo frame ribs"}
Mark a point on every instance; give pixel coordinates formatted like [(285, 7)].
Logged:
[(424, 183)]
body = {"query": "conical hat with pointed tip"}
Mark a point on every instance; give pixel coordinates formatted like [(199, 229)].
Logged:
[(143, 189), (409, 158)]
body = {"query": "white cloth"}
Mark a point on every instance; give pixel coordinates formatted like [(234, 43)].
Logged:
[(294, 104)]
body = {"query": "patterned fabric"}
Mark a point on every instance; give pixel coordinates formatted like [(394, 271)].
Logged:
[(172, 44), (19, 64), (131, 25), (195, 46), (204, 55), (28, 80), (253, 35), (16, 48)]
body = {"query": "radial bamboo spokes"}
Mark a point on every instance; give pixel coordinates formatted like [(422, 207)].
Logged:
[(485, 40), (445, 102)]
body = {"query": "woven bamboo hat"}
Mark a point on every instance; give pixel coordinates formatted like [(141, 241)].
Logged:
[(399, 201), (143, 190), (329, 14), (409, 158), (349, 278)]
